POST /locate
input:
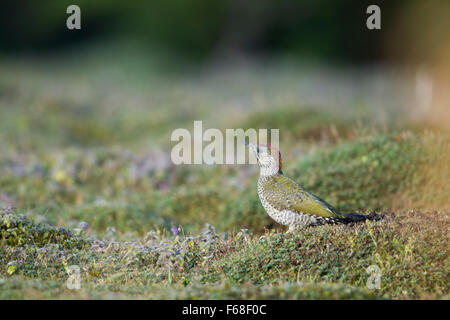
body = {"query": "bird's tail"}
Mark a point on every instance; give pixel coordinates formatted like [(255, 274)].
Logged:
[(355, 217)]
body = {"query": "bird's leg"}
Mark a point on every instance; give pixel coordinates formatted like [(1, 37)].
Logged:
[(291, 228)]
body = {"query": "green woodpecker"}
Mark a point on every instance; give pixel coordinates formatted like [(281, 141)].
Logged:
[(288, 203)]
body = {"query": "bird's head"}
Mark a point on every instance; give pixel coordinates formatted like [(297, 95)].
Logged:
[(268, 157)]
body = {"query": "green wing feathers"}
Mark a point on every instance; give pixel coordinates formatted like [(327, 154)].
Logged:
[(284, 194)]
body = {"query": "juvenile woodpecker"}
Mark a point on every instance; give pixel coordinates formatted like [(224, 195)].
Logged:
[(287, 202)]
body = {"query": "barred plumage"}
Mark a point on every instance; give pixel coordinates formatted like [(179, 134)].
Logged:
[(289, 203)]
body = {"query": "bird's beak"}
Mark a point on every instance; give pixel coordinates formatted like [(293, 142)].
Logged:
[(252, 147)]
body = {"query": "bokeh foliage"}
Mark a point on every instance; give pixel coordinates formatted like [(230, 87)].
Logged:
[(201, 29)]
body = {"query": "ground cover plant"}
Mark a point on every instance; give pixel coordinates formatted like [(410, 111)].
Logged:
[(86, 180)]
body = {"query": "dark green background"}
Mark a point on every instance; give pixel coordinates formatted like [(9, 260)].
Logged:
[(198, 30)]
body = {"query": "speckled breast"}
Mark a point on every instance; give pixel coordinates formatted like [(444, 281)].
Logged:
[(286, 217)]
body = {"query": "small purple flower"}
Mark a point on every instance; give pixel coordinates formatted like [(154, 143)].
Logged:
[(163, 186), (175, 230), (21, 260), (83, 225)]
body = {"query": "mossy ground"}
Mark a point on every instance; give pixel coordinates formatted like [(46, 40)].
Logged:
[(71, 154)]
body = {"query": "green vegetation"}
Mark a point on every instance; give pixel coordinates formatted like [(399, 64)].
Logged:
[(88, 171), (372, 172), (324, 262)]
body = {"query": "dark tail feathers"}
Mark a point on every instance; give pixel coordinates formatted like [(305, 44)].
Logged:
[(355, 217)]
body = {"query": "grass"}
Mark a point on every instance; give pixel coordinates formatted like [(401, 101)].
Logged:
[(410, 248), (92, 185)]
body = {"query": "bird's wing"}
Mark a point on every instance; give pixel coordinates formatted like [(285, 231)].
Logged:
[(285, 194)]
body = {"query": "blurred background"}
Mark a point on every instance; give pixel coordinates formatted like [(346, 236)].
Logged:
[(86, 115), (243, 55), (86, 118), (201, 31)]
